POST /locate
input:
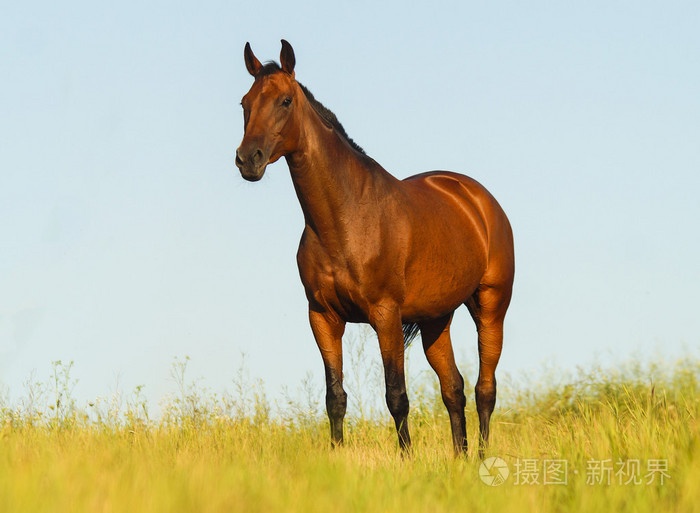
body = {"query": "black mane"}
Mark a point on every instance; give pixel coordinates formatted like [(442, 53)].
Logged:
[(272, 67)]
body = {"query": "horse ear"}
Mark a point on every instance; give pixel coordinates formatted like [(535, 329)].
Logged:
[(287, 58), (252, 63)]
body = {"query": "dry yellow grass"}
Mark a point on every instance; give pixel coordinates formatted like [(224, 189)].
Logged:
[(212, 454)]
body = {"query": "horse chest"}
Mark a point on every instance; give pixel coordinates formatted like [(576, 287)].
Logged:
[(335, 283)]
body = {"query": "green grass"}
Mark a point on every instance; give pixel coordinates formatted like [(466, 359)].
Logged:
[(240, 453)]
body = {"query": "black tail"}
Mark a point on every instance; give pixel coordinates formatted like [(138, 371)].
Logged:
[(410, 332)]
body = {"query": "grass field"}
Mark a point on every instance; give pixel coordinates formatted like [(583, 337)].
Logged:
[(592, 441)]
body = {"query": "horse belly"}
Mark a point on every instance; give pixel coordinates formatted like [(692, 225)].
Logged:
[(440, 281)]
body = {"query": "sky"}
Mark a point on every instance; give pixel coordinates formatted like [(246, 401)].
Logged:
[(128, 238)]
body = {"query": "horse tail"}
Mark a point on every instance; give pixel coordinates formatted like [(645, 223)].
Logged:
[(410, 332)]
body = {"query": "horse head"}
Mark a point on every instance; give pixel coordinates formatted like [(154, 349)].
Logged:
[(271, 126)]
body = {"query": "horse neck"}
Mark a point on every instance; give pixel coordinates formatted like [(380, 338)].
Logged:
[(333, 181)]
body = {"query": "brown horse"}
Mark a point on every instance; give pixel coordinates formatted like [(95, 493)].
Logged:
[(397, 254)]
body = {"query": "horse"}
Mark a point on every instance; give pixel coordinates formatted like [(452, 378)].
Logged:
[(400, 255)]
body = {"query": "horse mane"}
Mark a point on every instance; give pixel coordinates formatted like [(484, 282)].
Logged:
[(326, 114)]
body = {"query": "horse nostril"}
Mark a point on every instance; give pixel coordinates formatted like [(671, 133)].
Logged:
[(253, 158), (239, 160)]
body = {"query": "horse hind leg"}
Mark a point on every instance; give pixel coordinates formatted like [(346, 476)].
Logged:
[(488, 307), (438, 350)]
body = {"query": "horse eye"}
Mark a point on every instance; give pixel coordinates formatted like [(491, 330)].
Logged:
[(287, 102)]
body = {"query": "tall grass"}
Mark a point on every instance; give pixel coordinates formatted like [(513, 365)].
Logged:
[(241, 451)]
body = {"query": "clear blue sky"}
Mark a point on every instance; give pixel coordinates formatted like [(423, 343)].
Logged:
[(128, 237)]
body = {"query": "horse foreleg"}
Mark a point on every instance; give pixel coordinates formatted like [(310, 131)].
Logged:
[(387, 323), (438, 349), (328, 331)]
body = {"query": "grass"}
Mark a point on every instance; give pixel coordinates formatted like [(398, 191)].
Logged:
[(239, 452)]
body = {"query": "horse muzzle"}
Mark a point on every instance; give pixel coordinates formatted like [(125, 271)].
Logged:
[(251, 164)]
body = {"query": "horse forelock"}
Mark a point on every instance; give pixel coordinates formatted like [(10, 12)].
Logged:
[(269, 68)]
